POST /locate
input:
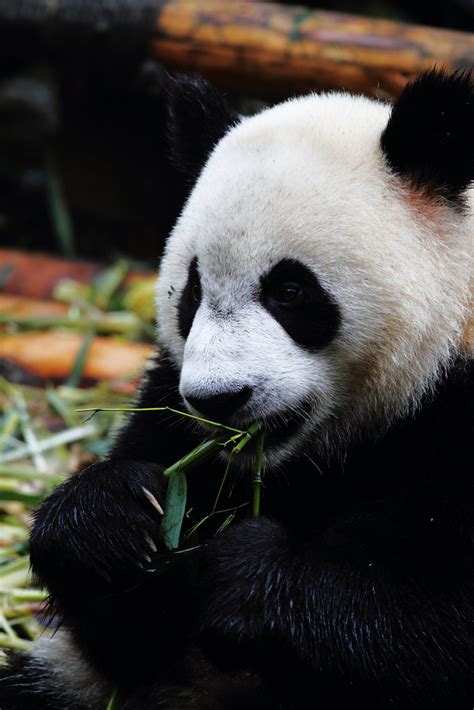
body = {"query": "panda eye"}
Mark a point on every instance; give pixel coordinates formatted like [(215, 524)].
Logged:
[(293, 295), (289, 294)]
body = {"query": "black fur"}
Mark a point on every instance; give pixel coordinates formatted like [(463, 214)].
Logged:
[(22, 687), (198, 118), (190, 300), (355, 585), (296, 299), (429, 137)]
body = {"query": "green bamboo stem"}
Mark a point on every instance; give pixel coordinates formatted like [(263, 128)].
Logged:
[(248, 435), (162, 409), (257, 480), (68, 436), (32, 596), (9, 427), (28, 432), (201, 452), (211, 446), (122, 323), (113, 703), (16, 644)]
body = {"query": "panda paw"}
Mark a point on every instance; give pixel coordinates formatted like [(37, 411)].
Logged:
[(99, 527), (246, 576)]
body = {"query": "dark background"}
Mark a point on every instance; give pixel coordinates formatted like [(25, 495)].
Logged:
[(83, 166)]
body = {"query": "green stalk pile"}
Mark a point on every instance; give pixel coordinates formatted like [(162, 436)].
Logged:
[(42, 441)]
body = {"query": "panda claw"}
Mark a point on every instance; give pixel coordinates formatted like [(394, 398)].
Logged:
[(150, 543), (153, 500)]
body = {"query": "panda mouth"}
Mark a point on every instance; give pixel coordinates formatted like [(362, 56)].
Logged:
[(279, 428)]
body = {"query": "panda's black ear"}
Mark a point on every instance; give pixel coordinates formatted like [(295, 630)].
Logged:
[(429, 137), (197, 118)]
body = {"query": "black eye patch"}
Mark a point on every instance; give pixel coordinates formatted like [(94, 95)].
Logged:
[(190, 299), (298, 302)]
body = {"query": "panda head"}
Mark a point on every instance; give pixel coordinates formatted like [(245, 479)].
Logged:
[(317, 279)]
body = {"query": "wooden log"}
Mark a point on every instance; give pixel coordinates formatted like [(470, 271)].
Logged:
[(37, 275), (274, 50), (50, 355), (264, 48)]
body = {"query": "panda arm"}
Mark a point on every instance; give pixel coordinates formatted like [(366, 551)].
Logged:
[(250, 575), (96, 543)]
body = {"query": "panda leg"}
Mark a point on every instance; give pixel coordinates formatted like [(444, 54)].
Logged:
[(52, 676)]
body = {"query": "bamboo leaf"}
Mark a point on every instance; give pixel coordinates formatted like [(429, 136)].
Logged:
[(107, 282), (113, 703), (175, 508)]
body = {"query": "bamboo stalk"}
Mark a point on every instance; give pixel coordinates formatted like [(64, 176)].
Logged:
[(197, 455), (120, 322), (258, 475), (15, 644), (275, 50), (68, 436)]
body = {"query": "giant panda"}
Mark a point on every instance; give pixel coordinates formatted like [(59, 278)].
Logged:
[(317, 281)]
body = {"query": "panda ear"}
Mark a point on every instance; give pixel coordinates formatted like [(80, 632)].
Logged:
[(197, 118), (429, 137)]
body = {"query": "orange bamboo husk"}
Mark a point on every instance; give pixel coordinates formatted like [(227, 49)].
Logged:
[(36, 275), (14, 305), (51, 355)]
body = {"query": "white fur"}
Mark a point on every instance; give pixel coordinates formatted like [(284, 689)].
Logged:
[(307, 180)]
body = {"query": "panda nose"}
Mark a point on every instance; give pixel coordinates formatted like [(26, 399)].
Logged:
[(221, 405)]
